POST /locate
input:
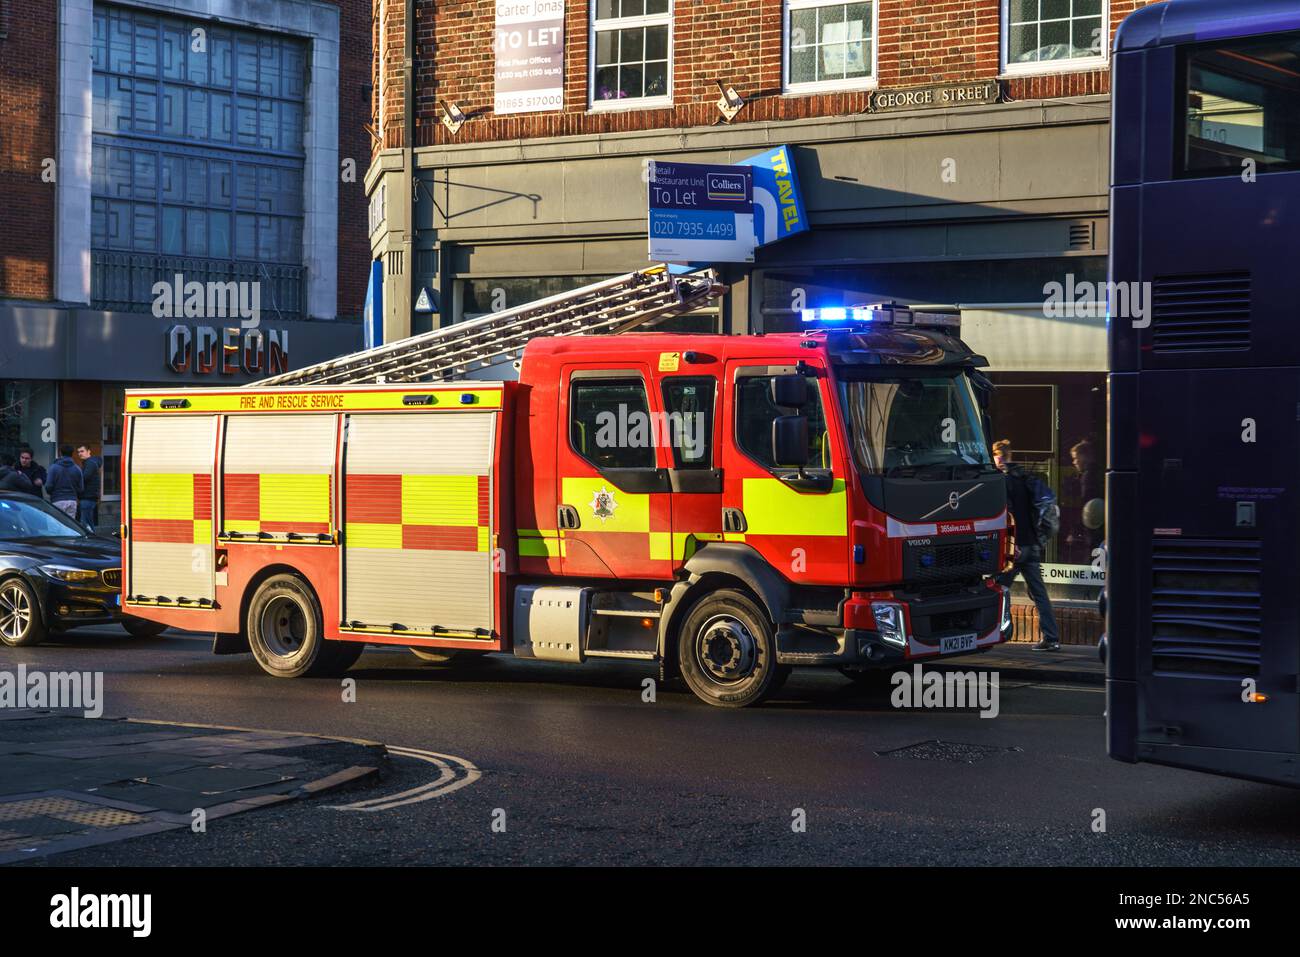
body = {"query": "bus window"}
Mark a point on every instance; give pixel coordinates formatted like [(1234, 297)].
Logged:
[(1243, 104)]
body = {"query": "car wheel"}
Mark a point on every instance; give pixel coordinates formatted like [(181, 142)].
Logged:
[(140, 628), (285, 631), (21, 622), (727, 650)]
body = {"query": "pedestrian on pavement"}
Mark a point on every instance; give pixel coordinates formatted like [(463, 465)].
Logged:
[(91, 475), (12, 480), (65, 483), (1092, 488), (1036, 517), (28, 466)]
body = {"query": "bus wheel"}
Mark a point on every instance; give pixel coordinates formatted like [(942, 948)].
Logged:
[(21, 624), (727, 650), (285, 632)]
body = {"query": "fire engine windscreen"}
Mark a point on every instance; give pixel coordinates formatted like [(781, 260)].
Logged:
[(909, 425)]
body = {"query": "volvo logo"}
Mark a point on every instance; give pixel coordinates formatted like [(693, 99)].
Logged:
[(954, 502)]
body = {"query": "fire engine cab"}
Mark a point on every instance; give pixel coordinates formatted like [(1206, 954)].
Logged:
[(728, 506)]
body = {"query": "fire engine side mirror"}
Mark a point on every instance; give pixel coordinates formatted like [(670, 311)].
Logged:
[(790, 441), (789, 391)]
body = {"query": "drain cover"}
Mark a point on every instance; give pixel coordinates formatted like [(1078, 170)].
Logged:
[(954, 751)]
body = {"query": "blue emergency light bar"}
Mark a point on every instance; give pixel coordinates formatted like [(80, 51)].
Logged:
[(886, 313)]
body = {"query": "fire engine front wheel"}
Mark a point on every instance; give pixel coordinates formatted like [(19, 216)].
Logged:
[(727, 651), (285, 631)]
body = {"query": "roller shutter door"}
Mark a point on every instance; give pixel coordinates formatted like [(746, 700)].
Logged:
[(170, 509), (278, 477), (418, 532)]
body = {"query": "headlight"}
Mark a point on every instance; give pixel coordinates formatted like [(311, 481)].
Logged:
[(66, 574), (1006, 608), (890, 623)]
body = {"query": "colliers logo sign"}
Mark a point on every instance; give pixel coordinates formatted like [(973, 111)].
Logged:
[(205, 350)]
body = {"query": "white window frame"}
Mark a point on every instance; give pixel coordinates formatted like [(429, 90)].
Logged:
[(1049, 67), (827, 86), (620, 23)]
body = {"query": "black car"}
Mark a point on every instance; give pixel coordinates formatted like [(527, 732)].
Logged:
[(56, 575)]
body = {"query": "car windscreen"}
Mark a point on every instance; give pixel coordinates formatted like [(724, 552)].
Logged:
[(903, 425), (32, 518)]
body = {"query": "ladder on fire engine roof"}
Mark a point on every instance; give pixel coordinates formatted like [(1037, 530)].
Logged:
[(611, 307)]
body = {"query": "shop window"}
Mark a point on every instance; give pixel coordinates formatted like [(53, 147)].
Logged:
[(632, 40), (829, 45), (598, 410), (1054, 35)]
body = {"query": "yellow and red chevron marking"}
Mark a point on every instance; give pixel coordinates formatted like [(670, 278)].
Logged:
[(171, 507), (437, 512), (277, 503)]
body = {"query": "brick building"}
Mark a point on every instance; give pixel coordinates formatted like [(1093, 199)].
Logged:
[(948, 151), (220, 141)]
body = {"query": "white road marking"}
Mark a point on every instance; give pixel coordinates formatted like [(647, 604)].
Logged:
[(453, 774)]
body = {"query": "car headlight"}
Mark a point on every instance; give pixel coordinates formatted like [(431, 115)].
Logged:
[(65, 573), (890, 624)]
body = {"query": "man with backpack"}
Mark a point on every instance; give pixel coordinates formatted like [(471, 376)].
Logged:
[(1037, 518)]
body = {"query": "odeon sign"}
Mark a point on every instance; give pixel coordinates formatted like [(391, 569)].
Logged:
[(204, 350)]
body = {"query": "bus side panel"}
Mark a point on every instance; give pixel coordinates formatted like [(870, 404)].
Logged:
[(1220, 608)]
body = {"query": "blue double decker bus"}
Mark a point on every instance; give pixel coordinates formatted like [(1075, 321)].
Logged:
[(1203, 483)]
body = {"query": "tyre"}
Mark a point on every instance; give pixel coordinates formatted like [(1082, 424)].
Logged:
[(285, 632), (139, 628), (21, 622), (726, 649)]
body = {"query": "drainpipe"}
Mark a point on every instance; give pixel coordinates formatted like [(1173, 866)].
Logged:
[(408, 140)]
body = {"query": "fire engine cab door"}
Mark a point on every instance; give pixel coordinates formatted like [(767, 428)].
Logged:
[(799, 523), (614, 514), (169, 509), (418, 522)]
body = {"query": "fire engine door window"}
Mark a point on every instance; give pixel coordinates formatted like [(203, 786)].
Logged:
[(610, 423), (755, 412), (688, 423)]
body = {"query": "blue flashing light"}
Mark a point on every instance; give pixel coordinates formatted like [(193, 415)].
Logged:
[(836, 315)]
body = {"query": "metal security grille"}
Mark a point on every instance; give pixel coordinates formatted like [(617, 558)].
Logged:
[(197, 158), (418, 523)]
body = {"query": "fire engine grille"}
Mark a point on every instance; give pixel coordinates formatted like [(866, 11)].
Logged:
[(925, 563), (112, 577), (1205, 606), (1202, 312)]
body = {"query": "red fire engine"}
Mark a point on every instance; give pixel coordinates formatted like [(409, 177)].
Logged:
[(728, 506)]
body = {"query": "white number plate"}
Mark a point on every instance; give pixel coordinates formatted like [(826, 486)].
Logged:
[(955, 643)]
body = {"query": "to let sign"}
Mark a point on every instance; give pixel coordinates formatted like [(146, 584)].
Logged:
[(701, 213), (529, 56), (936, 97)]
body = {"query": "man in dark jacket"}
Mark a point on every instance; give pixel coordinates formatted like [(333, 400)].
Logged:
[(64, 483), (12, 480), (91, 469), (35, 473), (1030, 545)]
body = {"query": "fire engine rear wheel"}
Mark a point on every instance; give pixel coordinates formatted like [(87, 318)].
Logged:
[(727, 650), (140, 628), (285, 631), (448, 656), (346, 653)]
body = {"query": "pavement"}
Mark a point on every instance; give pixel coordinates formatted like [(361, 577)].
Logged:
[(69, 782), (1077, 664)]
